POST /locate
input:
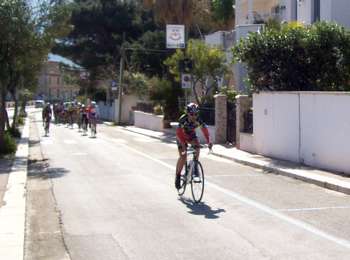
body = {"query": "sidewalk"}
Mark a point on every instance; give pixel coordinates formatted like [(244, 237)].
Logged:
[(13, 202), (321, 178)]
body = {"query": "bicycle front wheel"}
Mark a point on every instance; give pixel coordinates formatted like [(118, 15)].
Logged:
[(197, 183)]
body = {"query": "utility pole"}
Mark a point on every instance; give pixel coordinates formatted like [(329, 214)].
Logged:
[(121, 71), (120, 93)]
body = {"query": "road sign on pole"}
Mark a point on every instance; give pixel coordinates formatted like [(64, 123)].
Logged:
[(175, 36), (114, 85), (186, 81)]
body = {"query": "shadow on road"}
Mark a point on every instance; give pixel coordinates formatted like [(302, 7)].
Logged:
[(201, 209), (41, 169)]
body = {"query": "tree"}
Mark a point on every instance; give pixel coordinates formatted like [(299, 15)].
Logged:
[(26, 39), (100, 28), (223, 11), (172, 12), (207, 62)]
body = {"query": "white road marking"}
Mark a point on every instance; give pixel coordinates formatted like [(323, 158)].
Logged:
[(70, 142), (79, 154), (119, 141), (144, 140), (235, 175), (259, 206), (314, 209), (46, 141)]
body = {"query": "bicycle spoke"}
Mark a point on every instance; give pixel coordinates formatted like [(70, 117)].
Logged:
[(197, 184)]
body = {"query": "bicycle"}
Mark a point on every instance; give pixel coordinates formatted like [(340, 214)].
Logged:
[(188, 177), (47, 125), (93, 127)]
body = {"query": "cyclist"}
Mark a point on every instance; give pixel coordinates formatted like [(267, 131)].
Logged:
[(84, 118), (46, 116), (93, 115), (186, 134)]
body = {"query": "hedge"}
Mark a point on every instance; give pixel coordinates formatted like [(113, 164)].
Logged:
[(297, 58)]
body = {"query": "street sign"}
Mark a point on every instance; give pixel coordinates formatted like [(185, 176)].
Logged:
[(186, 81), (175, 36), (114, 85)]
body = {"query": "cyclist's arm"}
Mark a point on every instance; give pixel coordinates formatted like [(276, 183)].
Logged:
[(180, 134), (205, 130)]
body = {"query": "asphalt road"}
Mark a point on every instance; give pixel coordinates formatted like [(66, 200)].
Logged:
[(116, 199)]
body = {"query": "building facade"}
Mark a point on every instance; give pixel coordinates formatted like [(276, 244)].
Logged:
[(56, 82), (305, 11)]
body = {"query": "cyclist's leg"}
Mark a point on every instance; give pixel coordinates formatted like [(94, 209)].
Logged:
[(195, 144), (182, 158)]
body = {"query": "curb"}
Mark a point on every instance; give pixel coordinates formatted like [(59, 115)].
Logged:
[(308, 177), (324, 182), (12, 214)]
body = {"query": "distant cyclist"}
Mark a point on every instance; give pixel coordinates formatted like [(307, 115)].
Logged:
[(46, 116), (186, 134), (93, 115)]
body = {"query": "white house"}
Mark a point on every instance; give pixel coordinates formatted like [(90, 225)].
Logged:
[(306, 11)]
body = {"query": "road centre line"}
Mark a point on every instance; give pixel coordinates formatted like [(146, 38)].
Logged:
[(314, 209), (259, 206)]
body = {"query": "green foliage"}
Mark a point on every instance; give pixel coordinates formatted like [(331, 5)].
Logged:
[(137, 83), (230, 93), (97, 36), (223, 9), (10, 145), (165, 93), (14, 132), (294, 57), (207, 62), (158, 110), (100, 95), (148, 54), (20, 120)]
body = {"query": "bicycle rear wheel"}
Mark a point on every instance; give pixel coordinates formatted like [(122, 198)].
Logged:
[(197, 184)]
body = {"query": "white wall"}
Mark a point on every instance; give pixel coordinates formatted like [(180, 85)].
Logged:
[(106, 111), (307, 127), (202, 140), (305, 11), (215, 39), (340, 11), (275, 121), (325, 135), (326, 9), (128, 101), (148, 121)]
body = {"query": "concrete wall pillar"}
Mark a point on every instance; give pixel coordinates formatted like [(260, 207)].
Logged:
[(220, 118), (243, 104)]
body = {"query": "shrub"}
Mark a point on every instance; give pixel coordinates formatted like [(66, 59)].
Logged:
[(158, 110), (230, 93), (10, 144), (20, 120), (294, 57), (14, 132), (23, 114)]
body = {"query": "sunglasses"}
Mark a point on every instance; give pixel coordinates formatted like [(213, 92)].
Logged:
[(193, 114)]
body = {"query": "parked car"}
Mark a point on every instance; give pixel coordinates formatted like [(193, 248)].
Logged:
[(39, 103)]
